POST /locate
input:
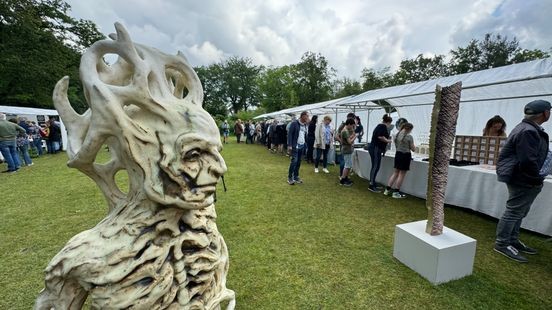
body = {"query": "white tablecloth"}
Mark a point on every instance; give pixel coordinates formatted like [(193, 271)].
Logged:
[(470, 187)]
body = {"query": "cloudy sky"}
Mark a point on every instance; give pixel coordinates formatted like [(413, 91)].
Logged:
[(351, 34)]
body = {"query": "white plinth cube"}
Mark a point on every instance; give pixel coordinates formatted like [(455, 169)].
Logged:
[(439, 259)]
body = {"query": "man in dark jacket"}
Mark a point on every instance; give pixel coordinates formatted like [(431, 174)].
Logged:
[(297, 142), (518, 166)]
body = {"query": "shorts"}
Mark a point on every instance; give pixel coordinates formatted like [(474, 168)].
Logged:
[(402, 161), (348, 160), (225, 133)]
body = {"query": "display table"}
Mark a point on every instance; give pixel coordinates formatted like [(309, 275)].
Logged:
[(470, 187)]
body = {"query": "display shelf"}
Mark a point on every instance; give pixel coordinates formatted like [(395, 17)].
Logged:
[(484, 150)]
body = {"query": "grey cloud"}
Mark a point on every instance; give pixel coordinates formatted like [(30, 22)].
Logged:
[(352, 34), (528, 21)]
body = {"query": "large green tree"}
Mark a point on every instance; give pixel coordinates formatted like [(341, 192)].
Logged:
[(312, 78), (231, 85), (346, 87), (39, 44), (491, 52), (277, 88), (421, 68)]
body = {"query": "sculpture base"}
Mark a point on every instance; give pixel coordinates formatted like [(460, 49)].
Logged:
[(439, 259)]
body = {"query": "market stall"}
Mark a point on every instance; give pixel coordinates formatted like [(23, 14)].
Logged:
[(472, 187)]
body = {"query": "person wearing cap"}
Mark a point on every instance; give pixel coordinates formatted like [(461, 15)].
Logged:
[(519, 165)]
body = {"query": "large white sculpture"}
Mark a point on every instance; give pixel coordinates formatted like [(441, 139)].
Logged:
[(159, 247)]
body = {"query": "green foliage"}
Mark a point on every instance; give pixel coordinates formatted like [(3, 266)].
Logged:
[(420, 69), (230, 85), (39, 44), (310, 246), (277, 88), (346, 87), (312, 77), (374, 79), (491, 52)]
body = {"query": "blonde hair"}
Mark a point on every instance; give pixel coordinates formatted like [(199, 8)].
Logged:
[(328, 118)]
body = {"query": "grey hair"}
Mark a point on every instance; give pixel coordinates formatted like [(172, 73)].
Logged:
[(532, 117), (2, 117)]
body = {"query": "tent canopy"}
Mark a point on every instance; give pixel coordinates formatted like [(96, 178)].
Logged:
[(27, 111), (325, 107), (500, 91)]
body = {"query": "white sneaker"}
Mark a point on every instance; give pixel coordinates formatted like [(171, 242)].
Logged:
[(315, 170), (326, 170)]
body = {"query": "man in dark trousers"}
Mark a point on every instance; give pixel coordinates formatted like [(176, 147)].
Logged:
[(297, 142), (519, 165)]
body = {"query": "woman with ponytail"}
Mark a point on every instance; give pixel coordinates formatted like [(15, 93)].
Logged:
[(404, 144)]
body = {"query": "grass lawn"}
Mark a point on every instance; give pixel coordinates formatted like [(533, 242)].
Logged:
[(310, 246)]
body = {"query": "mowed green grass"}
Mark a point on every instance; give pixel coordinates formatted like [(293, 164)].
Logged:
[(311, 246)]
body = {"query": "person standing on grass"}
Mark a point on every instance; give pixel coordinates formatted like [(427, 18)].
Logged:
[(34, 130), (348, 137), (296, 142), (404, 143), (22, 142), (519, 165), (238, 130), (8, 145), (54, 136), (377, 147), (359, 129), (338, 138), (225, 131), (310, 138), (322, 141)]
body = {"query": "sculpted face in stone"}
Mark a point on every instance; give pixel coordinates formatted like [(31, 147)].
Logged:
[(158, 247)]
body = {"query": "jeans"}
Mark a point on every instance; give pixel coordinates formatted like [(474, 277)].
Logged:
[(520, 199), (375, 156), (339, 158), (9, 151), (24, 149), (37, 143), (320, 152), (238, 137), (55, 146), (295, 164)]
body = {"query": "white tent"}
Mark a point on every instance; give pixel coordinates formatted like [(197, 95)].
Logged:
[(319, 108), (35, 114), (500, 91)]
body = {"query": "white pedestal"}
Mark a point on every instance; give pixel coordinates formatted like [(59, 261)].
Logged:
[(439, 259)]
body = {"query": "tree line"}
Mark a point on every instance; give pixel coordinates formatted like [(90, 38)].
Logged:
[(40, 43)]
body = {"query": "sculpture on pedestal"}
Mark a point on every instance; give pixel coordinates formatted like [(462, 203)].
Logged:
[(443, 130), (158, 247)]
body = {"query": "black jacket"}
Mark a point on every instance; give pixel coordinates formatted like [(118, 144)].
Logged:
[(523, 155)]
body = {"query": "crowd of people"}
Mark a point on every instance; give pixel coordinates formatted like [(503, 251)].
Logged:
[(524, 161), (22, 139)]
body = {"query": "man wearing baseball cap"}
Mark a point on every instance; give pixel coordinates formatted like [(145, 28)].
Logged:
[(519, 165)]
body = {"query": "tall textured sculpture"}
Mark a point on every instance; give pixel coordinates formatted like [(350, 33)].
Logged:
[(443, 131), (158, 247)]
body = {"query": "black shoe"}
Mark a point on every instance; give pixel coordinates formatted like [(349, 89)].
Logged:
[(347, 183), (374, 189), (520, 246), (511, 252)]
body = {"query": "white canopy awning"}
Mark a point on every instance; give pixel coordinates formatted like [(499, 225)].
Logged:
[(27, 111), (500, 91), (325, 107)]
